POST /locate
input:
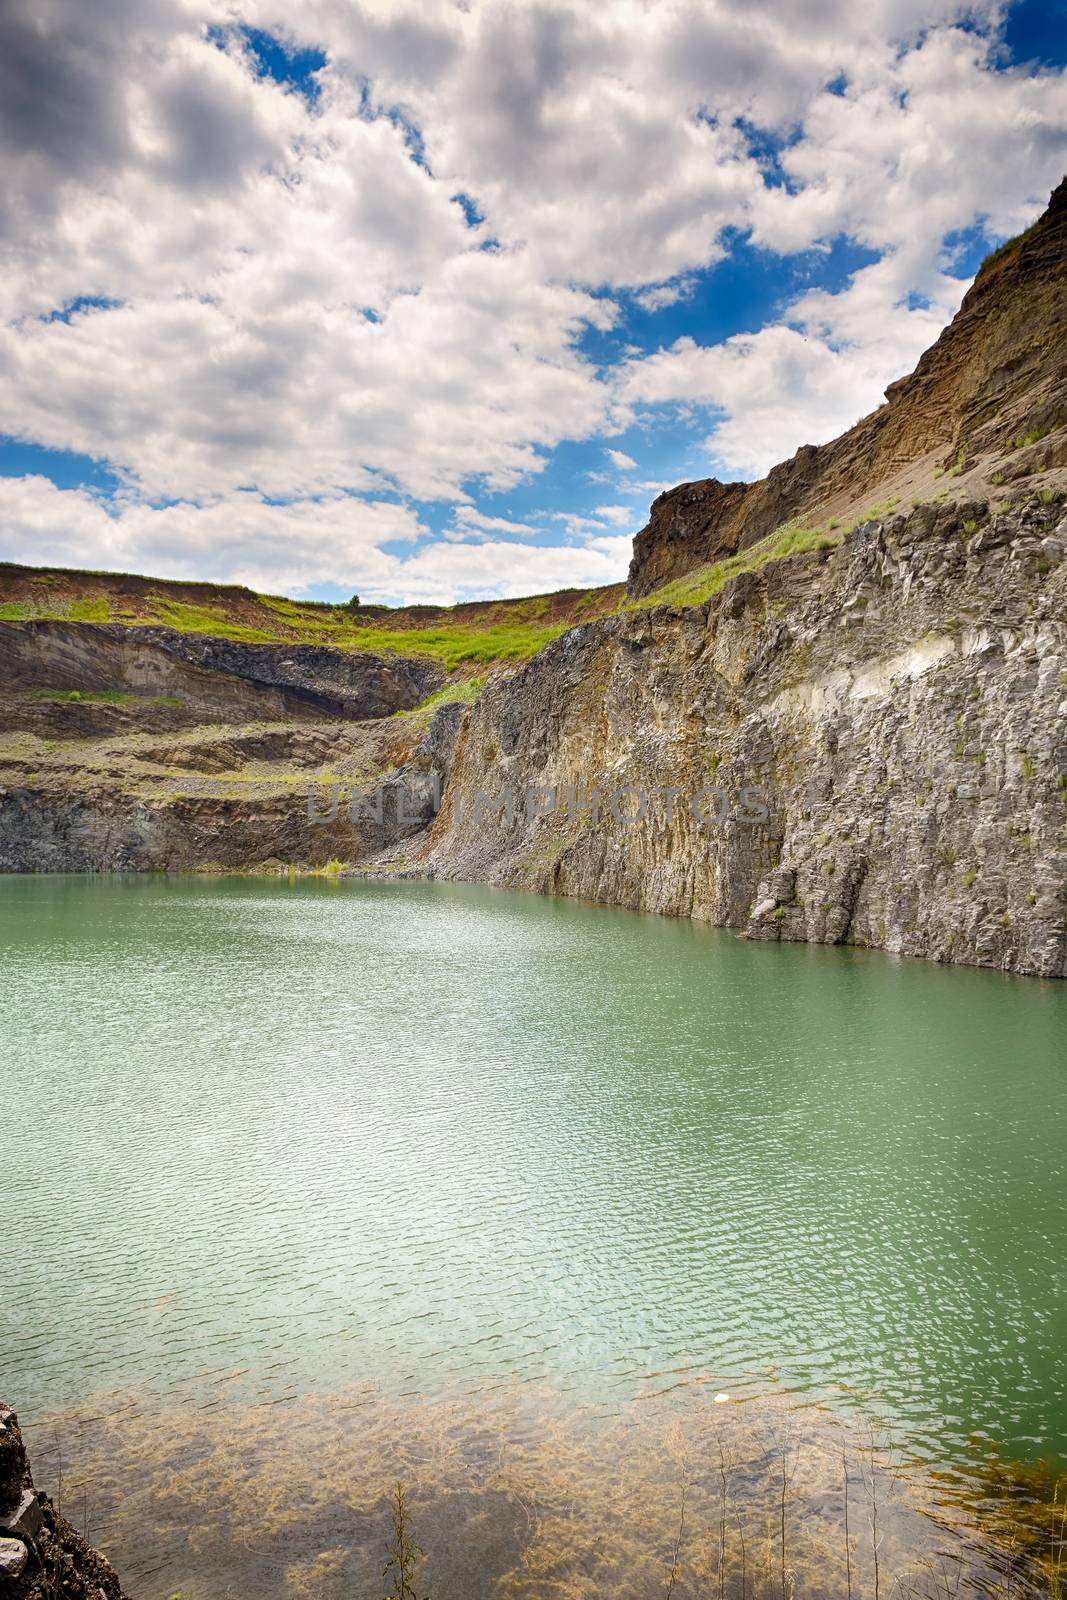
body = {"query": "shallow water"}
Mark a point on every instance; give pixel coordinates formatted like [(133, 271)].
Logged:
[(270, 1140)]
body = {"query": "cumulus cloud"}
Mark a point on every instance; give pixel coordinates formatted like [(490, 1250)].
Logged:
[(292, 316), (619, 515), (802, 382), (661, 295), (289, 548)]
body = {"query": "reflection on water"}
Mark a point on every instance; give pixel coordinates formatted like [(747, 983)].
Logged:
[(279, 1140)]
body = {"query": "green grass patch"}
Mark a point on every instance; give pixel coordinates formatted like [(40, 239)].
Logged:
[(511, 633), (693, 588), (185, 618), (456, 644), (100, 697), (516, 636), (453, 694), (324, 620), (90, 610), (56, 610)]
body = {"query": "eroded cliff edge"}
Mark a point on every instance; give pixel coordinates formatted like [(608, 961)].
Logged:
[(899, 703), (986, 404)]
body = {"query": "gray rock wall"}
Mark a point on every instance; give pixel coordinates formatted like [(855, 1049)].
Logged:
[(898, 705)]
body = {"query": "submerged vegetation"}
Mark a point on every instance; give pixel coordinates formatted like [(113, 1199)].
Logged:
[(747, 1500), (404, 1554)]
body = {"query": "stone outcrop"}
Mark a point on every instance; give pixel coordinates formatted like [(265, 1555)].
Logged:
[(995, 377), (212, 679), (227, 799), (896, 708), (42, 1557)]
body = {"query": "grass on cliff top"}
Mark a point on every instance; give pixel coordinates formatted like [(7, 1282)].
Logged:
[(1009, 244), (693, 588), (453, 644), (460, 644), (512, 633), (464, 693)]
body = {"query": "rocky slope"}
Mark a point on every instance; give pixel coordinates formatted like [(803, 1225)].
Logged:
[(205, 678), (42, 1557), (875, 734), (986, 404)]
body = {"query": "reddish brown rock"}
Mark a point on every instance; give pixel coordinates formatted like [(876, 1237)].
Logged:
[(995, 378)]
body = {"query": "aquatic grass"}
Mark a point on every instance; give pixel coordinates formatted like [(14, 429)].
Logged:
[(404, 1554), (740, 1500)]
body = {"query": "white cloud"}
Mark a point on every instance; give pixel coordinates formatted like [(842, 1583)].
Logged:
[(290, 548), (619, 515), (299, 310), (239, 537), (662, 295), (805, 383), (472, 523)]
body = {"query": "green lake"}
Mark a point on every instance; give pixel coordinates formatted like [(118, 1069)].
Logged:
[(272, 1142)]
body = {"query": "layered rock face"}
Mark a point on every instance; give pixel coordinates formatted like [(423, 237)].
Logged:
[(209, 678), (995, 376), (181, 751), (224, 798), (42, 1557), (876, 736)]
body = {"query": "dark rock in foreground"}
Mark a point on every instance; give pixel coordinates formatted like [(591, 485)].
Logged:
[(42, 1557)]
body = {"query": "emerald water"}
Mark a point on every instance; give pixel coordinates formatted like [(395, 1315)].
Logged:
[(268, 1141)]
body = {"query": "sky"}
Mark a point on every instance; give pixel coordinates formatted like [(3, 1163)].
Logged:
[(426, 300)]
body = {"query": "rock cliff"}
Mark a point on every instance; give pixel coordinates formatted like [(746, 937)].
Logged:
[(982, 405), (875, 736)]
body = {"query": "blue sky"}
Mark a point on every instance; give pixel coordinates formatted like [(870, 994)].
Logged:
[(429, 303)]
